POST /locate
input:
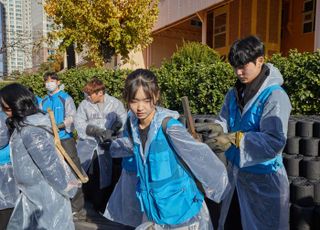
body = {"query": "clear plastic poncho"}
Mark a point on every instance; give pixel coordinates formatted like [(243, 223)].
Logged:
[(44, 179), (203, 163), (89, 113), (8, 188), (263, 198)]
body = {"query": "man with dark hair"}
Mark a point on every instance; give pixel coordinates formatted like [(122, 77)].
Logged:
[(99, 116), (251, 129), (64, 109)]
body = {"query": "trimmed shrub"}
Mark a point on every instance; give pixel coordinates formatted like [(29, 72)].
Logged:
[(301, 73), (75, 79), (4, 83), (196, 71)]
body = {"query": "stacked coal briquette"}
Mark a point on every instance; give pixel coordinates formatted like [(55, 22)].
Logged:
[(301, 158)]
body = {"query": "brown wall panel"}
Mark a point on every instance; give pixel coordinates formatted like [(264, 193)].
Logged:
[(292, 34), (271, 52), (246, 17), (262, 6), (233, 20), (274, 21)]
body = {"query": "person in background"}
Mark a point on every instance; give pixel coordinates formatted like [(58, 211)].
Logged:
[(99, 116), (8, 188), (64, 109), (251, 129), (43, 178), (168, 161)]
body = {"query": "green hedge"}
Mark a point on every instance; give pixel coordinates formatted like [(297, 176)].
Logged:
[(196, 71), (301, 73), (4, 83), (75, 79)]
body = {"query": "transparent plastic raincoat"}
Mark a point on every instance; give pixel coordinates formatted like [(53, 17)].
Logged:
[(89, 113), (123, 206), (203, 163), (263, 196), (45, 181), (8, 188)]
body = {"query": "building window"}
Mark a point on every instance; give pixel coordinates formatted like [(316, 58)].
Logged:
[(51, 52), (220, 31), (309, 10)]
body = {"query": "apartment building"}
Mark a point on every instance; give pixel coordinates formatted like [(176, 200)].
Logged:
[(41, 26), (3, 56), (18, 41)]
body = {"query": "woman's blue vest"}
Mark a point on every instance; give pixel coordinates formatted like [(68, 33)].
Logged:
[(5, 155), (250, 121), (166, 190)]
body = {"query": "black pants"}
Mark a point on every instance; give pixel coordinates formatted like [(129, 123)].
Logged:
[(92, 192), (5, 217), (233, 220), (69, 145), (214, 211)]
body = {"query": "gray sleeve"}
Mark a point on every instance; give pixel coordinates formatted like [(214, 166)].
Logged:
[(224, 113), (40, 146), (4, 132), (203, 163), (70, 111), (256, 147), (81, 121), (121, 147), (121, 111)]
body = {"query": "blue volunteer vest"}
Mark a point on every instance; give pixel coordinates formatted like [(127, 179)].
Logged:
[(56, 103), (5, 155), (250, 122), (167, 192), (39, 99)]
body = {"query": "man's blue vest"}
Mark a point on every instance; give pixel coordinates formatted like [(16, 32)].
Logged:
[(39, 99), (166, 190), (5, 155), (129, 164), (250, 121), (56, 103)]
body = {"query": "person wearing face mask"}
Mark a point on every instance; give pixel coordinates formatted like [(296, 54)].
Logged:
[(64, 109), (98, 118)]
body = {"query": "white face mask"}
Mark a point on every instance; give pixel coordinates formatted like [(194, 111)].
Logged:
[(51, 86)]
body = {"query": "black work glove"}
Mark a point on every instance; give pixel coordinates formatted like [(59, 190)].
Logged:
[(61, 126), (104, 136), (106, 144), (223, 142), (116, 126), (100, 134), (208, 130)]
